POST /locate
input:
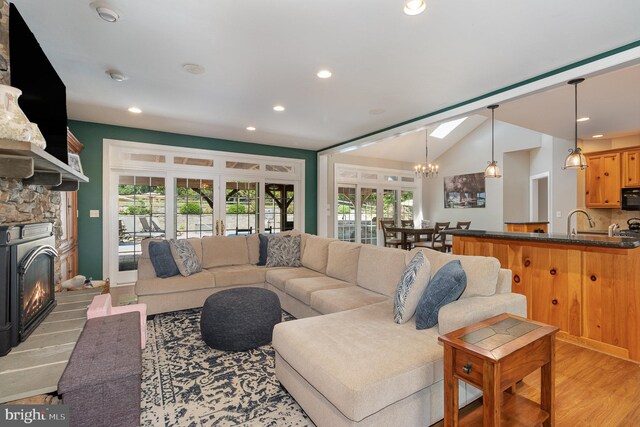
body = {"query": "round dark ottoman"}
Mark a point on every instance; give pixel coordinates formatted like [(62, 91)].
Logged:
[(240, 319)]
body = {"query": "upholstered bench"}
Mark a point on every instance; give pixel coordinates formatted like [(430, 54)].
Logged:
[(240, 319), (101, 306), (101, 383)]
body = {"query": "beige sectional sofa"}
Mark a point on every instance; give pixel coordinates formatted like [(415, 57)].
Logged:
[(345, 360)]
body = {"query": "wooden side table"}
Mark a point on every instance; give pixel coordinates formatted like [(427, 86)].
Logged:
[(493, 355)]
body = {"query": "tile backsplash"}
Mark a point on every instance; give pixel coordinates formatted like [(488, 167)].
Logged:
[(605, 217)]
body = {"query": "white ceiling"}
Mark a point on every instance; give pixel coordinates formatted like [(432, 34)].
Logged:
[(261, 53), (411, 146)]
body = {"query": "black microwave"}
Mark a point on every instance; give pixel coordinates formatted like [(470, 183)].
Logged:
[(631, 199)]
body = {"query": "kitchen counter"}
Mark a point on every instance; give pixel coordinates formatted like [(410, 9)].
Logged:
[(527, 226), (587, 285), (526, 222), (583, 239)]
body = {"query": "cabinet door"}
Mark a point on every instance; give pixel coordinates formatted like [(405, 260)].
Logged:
[(603, 181), (610, 299), (631, 169), (551, 278)]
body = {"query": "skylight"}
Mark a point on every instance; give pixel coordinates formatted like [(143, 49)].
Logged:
[(446, 128)]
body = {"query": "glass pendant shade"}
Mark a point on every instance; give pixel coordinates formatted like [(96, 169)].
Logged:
[(492, 171), (575, 160)]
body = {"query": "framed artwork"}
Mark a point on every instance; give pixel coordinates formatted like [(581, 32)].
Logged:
[(464, 191), (74, 162)]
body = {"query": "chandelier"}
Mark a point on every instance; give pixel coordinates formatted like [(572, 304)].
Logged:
[(426, 169)]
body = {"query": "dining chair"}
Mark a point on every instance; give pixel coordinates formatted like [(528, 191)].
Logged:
[(390, 238), (408, 223), (437, 240), (461, 225)]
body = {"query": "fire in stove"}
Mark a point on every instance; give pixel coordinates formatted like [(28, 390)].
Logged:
[(35, 301)]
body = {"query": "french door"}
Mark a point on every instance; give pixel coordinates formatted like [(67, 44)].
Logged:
[(182, 205), (359, 209)]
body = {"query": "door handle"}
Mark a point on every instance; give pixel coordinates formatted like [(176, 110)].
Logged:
[(217, 227), (221, 227)]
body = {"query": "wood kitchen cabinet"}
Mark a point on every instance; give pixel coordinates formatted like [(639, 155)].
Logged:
[(631, 168), (603, 180)]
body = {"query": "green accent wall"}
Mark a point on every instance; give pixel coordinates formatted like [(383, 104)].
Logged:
[(90, 194)]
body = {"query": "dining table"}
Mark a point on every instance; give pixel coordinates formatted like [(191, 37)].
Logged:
[(417, 234)]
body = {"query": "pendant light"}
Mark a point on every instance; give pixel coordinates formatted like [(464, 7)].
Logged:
[(492, 171), (575, 159), (426, 170)]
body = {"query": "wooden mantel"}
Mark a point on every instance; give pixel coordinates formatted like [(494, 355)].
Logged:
[(592, 293)]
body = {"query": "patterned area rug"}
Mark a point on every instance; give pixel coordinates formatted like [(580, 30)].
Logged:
[(187, 383)]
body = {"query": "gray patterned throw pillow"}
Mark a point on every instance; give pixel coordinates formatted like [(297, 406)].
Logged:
[(185, 257), (412, 284), (283, 251)]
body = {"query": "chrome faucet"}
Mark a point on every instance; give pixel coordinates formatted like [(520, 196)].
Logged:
[(573, 232), (612, 229)]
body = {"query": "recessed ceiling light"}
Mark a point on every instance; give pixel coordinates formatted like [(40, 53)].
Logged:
[(193, 68), (376, 111), (446, 128), (414, 7), (324, 74), (583, 119), (107, 14), (135, 110), (251, 128), (598, 136), (278, 108), (116, 76)]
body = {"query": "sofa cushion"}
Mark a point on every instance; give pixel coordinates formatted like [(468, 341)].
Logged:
[(342, 299), (144, 246), (253, 246), (380, 268), (175, 284), (283, 251), (342, 261), (185, 257), (481, 271), (316, 252), (234, 275), (446, 286), (413, 282), (301, 289), (279, 276), (162, 260), (224, 250), (400, 361)]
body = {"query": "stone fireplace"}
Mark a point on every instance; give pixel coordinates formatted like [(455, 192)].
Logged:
[(27, 265)]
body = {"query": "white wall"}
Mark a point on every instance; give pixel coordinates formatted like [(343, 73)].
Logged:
[(471, 154), (515, 173)]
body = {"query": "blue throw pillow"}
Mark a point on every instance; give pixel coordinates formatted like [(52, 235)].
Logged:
[(162, 259), (264, 248), (446, 286)]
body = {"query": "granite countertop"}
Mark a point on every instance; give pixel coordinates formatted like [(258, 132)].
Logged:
[(526, 222), (580, 239)]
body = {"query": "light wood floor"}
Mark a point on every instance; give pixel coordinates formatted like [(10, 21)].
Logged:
[(592, 388)]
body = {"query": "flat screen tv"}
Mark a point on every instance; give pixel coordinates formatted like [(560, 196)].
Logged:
[(44, 97)]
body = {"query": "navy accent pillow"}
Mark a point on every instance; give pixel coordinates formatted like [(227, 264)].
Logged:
[(446, 286), (264, 248), (162, 259)]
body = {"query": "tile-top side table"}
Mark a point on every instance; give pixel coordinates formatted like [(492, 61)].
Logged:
[(493, 355)]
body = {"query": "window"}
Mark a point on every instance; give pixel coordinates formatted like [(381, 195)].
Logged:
[(347, 214), (192, 161), (279, 207), (406, 205), (280, 168), (194, 208), (389, 205), (368, 216), (141, 214), (243, 165), (241, 203)]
